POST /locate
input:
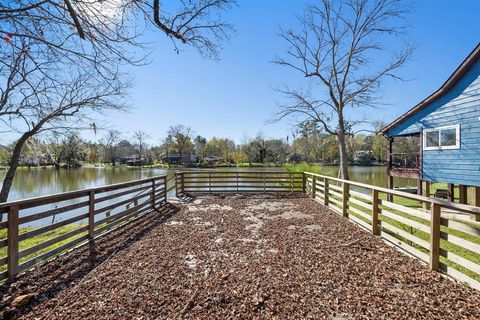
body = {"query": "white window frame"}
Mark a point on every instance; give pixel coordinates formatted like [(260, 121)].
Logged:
[(457, 140)]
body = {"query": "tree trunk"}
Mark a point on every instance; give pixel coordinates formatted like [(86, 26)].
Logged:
[(343, 167), (12, 168)]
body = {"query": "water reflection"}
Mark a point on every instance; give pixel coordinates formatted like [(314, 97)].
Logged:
[(38, 182)]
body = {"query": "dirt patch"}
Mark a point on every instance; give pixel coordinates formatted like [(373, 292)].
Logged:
[(298, 268)]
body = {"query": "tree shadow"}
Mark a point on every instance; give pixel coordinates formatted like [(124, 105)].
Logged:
[(47, 280)]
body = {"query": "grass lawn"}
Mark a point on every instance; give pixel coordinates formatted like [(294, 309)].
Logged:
[(40, 239), (423, 236)]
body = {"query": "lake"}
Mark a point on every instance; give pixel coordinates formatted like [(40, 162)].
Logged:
[(36, 182), (39, 182)]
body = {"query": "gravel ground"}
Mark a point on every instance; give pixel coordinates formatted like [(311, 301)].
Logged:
[(239, 257)]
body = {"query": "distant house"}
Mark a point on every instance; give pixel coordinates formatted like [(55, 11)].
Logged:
[(212, 160), (134, 160), (176, 158), (363, 157), (294, 158), (447, 126)]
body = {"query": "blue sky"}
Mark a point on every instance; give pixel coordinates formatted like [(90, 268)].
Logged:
[(234, 97)]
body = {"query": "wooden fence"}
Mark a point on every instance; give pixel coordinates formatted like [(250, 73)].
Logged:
[(210, 181), (40, 228), (430, 229)]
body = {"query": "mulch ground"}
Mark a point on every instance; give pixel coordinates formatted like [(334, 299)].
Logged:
[(239, 257)]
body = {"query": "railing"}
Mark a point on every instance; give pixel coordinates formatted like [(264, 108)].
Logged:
[(210, 181), (411, 222), (405, 160), (28, 236)]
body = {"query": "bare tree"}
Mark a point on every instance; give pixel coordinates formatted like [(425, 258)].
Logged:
[(33, 103), (180, 137), (141, 138), (340, 48), (60, 60), (101, 32), (110, 141)]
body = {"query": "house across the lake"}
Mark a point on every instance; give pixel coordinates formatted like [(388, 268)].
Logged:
[(447, 128), (177, 158)]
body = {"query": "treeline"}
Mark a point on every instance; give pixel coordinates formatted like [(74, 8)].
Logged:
[(182, 146)]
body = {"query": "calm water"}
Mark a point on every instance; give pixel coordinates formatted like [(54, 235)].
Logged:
[(38, 182)]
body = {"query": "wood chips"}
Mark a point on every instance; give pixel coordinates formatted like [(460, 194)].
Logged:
[(239, 257)]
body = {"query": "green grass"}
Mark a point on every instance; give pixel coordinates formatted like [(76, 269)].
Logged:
[(425, 236), (39, 239), (444, 244), (303, 167)]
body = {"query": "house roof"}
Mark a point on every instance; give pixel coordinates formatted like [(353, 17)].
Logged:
[(464, 67)]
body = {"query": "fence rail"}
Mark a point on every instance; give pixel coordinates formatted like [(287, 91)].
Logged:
[(239, 181), (421, 226), (40, 228)]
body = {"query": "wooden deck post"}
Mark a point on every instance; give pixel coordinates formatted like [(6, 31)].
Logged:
[(166, 188), (375, 222), (451, 192), (476, 197), (346, 196), (389, 167), (264, 183), (476, 203), (314, 187), (419, 187), (152, 197), (390, 186), (435, 236), (325, 192), (91, 214), (237, 181), (182, 183), (426, 193), (12, 242), (462, 191), (304, 183), (209, 182)]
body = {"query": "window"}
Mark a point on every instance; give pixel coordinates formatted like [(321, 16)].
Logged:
[(442, 138)]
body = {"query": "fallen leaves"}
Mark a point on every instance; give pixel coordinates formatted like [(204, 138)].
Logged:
[(207, 262)]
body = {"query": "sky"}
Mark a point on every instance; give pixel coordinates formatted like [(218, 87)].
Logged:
[(234, 97)]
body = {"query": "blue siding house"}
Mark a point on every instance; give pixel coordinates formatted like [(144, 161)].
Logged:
[(447, 127)]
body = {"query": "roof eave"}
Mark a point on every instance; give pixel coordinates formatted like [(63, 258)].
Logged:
[(464, 67)]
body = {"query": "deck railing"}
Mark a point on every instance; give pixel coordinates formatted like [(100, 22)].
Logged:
[(40, 228), (422, 226), (427, 228), (210, 181), (405, 160)]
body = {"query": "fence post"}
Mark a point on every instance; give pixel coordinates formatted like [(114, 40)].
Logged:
[(375, 212), (12, 242), (182, 183), (177, 184), (435, 210), (304, 182), (264, 183), (91, 214), (166, 188), (152, 197), (314, 187), (345, 191), (209, 182), (325, 192)]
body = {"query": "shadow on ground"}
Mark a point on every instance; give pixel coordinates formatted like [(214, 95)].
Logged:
[(45, 281)]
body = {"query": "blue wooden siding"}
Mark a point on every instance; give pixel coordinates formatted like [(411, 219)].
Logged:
[(461, 105)]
